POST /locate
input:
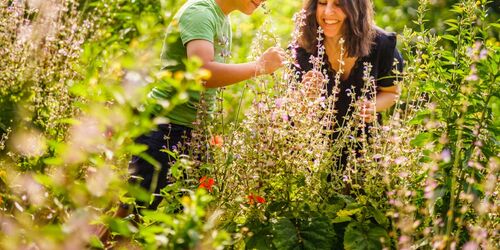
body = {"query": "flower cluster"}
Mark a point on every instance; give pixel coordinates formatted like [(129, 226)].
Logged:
[(255, 199), (206, 183)]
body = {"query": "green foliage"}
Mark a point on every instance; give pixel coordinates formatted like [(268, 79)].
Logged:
[(364, 236), (193, 228)]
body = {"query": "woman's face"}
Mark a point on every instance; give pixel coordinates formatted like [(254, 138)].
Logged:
[(330, 17)]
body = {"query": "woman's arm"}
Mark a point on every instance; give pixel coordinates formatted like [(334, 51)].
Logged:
[(386, 97)]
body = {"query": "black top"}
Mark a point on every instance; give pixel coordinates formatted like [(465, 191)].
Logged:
[(381, 57)]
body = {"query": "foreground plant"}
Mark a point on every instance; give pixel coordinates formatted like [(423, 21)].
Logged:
[(426, 178)]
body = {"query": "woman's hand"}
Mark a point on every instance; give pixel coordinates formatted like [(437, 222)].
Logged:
[(367, 111), (313, 81)]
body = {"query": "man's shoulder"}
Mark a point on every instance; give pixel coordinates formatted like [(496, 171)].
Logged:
[(202, 8)]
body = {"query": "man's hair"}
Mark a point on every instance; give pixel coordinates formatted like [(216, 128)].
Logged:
[(358, 29)]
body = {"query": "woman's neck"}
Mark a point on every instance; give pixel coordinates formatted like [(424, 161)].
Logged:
[(333, 48), (333, 45)]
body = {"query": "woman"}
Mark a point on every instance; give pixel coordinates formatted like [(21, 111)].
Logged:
[(349, 24)]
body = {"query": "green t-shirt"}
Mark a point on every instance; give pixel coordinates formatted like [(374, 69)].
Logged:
[(197, 19)]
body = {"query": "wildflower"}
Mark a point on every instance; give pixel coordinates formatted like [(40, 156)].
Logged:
[(469, 52), (404, 239), (400, 160), (273, 116), (217, 141), (260, 105), (446, 155), (483, 54), (472, 77), (206, 183), (252, 199), (470, 246), (477, 45), (279, 102)]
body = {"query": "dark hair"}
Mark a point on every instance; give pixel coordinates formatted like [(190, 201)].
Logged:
[(358, 31)]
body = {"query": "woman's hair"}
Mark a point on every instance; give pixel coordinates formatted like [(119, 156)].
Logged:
[(358, 29)]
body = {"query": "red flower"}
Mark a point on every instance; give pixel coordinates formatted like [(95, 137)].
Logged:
[(260, 199), (252, 199), (206, 183), (217, 141)]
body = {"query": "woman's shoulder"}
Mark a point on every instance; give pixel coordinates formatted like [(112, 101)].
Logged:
[(385, 39), (385, 52)]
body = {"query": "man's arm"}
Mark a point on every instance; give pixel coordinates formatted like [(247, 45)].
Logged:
[(227, 74)]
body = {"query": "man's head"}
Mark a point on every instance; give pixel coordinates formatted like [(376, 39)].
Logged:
[(245, 6)]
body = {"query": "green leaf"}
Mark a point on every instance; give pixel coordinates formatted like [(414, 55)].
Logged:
[(139, 193), (449, 58), (96, 243), (169, 152), (157, 216), (341, 219), (420, 116), (421, 139), (364, 236), (379, 216), (285, 234), (345, 212), (44, 180), (449, 37), (260, 240), (136, 149), (494, 67), (176, 170), (310, 233), (317, 233), (496, 25), (119, 226), (53, 161)]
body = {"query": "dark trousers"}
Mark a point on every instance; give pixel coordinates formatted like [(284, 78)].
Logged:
[(167, 136)]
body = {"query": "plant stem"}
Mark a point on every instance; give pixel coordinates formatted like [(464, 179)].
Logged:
[(456, 163)]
